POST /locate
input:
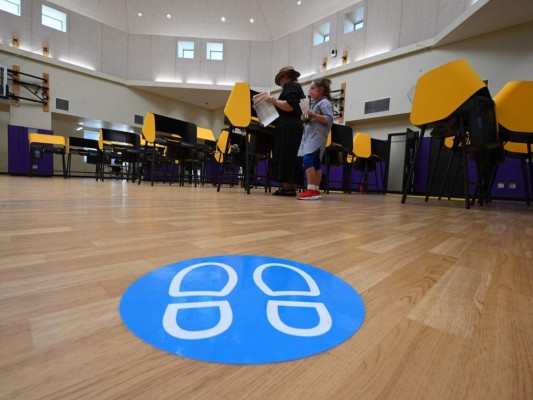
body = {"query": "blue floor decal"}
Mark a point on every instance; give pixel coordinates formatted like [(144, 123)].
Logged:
[(242, 309)]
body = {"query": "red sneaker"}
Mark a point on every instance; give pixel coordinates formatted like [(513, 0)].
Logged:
[(309, 195)]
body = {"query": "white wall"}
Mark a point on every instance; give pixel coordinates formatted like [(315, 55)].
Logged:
[(389, 24), (4, 121), (94, 97)]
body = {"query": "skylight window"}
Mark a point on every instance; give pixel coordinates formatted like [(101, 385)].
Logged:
[(215, 51), (10, 6), (321, 34), (354, 20), (186, 50), (53, 18)]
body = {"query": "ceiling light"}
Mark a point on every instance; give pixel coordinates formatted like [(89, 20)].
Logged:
[(169, 16), (79, 128), (223, 19), (299, 2), (140, 14), (252, 20)]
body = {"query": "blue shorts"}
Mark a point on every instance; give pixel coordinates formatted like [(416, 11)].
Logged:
[(312, 160)]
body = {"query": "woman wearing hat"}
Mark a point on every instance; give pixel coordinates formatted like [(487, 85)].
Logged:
[(286, 167)]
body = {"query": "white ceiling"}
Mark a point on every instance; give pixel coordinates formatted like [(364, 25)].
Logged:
[(205, 96), (491, 17), (273, 19)]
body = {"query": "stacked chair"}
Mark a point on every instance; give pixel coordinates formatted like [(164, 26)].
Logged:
[(364, 158), (454, 101)]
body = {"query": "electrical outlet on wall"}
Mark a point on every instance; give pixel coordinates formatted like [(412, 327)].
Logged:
[(500, 185), (512, 185)]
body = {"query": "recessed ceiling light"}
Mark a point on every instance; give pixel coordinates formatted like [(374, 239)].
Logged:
[(169, 16), (79, 128), (223, 19), (252, 20), (299, 2), (140, 14)]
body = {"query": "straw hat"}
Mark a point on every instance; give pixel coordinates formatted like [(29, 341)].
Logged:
[(293, 74)]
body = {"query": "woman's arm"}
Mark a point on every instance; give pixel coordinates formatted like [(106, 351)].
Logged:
[(281, 104)]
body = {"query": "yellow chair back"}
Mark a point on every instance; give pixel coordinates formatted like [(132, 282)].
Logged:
[(101, 140), (443, 90), (514, 104), (238, 108), (205, 134), (148, 129), (514, 147), (221, 146), (362, 145), (448, 142), (328, 141)]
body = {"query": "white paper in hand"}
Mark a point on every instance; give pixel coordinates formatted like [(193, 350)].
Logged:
[(266, 112), (304, 106)]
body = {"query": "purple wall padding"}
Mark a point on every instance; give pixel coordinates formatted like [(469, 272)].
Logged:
[(19, 153)]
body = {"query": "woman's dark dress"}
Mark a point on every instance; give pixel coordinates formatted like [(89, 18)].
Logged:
[(285, 165)]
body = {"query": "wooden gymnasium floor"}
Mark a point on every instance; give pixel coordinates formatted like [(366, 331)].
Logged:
[(448, 292)]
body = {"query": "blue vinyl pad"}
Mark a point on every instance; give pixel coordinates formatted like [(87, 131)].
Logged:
[(242, 309)]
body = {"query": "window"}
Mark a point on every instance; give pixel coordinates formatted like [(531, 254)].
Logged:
[(93, 135), (185, 49), (354, 20), (53, 18), (10, 6), (215, 51), (321, 34)]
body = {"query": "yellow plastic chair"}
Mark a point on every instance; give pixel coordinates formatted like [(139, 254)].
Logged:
[(339, 147), (521, 152), (205, 150), (454, 101), (238, 113), (364, 160), (514, 104), (53, 144), (450, 145), (224, 158), (221, 146)]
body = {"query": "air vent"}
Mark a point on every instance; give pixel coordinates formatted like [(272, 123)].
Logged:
[(377, 106), (139, 119), (62, 104)]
